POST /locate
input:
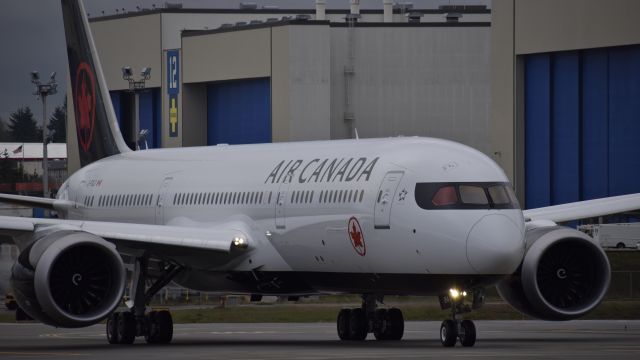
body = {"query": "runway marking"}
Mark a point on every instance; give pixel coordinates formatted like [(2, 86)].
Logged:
[(24, 353)]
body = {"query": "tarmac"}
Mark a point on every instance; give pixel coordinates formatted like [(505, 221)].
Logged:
[(597, 339)]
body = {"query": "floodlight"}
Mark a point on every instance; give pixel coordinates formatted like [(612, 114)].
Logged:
[(126, 72), (53, 76), (146, 73)]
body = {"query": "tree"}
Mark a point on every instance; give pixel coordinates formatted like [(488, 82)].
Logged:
[(22, 126), (4, 133), (57, 124)]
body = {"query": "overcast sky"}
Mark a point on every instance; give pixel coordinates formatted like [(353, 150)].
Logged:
[(32, 38)]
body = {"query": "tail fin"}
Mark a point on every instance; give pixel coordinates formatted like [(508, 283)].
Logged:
[(96, 125)]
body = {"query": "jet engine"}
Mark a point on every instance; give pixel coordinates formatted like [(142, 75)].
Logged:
[(68, 278), (564, 275)]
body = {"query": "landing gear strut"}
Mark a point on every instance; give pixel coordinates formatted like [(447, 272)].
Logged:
[(155, 326), (385, 324), (456, 328)]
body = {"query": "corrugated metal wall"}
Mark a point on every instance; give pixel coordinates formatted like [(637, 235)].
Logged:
[(115, 100), (582, 125), (239, 112), (150, 112)]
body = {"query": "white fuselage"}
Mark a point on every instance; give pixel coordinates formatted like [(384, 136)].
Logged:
[(303, 195)]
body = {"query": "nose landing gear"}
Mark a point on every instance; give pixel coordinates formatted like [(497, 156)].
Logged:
[(455, 328)]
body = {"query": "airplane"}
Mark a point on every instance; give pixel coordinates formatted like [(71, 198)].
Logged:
[(373, 217)]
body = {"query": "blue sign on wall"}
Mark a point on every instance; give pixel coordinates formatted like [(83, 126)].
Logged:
[(173, 72)]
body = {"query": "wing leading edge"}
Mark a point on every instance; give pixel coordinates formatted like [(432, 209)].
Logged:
[(584, 209), (221, 237)]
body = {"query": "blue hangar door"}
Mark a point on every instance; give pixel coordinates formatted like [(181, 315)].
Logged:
[(239, 112), (582, 125)]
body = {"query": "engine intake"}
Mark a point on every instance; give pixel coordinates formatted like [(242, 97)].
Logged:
[(68, 278), (564, 275)]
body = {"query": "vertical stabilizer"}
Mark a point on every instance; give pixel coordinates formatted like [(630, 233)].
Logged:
[(96, 125)]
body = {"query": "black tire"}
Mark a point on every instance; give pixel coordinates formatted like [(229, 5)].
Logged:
[(468, 333), (380, 325), (21, 315), (358, 326), (112, 328), (164, 323), (395, 324), (11, 305), (448, 333), (343, 324), (126, 328), (151, 335), (620, 245)]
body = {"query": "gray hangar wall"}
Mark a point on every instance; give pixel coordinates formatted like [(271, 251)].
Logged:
[(327, 79), (302, 80), (565, 83)]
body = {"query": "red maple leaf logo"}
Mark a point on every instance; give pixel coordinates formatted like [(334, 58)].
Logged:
[(85, 103), (356, 237)]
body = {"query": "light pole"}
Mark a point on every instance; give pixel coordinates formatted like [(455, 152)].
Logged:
[(42, 91), (137, 86)]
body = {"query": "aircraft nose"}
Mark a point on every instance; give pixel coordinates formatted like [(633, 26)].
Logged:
[(495, 245)]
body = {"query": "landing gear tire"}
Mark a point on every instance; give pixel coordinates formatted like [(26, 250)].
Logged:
[(448, 333), (620, 246), (389, 324), (468, 333), (112, 329), (21, 315), (126, 328), (160, 327), (358, 326), (343, 324)]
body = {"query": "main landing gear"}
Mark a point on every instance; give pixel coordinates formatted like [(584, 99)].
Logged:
[(385, 324), (155, 326), (455, 328)]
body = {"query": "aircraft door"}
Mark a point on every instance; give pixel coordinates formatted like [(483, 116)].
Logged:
[(162, 196), (384, 199), (281, 201)]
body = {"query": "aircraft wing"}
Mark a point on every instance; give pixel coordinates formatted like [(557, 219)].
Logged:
[(163, 240), (34, 201), (585, 209)]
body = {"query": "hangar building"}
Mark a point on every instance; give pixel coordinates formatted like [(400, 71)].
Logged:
[(261, 75), (565, 85), (548, 89)]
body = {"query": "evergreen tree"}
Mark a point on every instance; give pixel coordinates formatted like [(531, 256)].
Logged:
[(4, 133), (22, 126), (57, 124)]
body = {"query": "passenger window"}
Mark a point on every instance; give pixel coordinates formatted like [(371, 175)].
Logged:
[(474, 195)]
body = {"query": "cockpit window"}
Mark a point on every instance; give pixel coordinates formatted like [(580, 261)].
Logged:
[(442, 196), (471, 194), (499, 195), (446, 195)]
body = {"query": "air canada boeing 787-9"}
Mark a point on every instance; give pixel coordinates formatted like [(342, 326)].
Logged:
[(375, 217)]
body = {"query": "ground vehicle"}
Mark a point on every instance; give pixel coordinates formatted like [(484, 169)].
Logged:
[(621, 236)]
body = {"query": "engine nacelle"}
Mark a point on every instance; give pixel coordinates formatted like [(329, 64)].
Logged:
[(564, 275), (68, 278)]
